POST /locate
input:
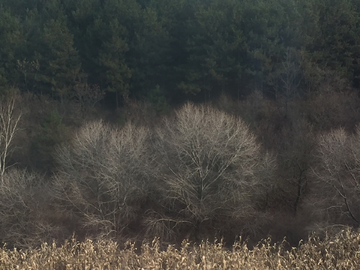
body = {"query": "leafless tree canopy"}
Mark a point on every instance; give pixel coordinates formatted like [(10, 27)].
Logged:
[(196, 171), (20, 213), (210, 166), (102, 175), (337, 176)]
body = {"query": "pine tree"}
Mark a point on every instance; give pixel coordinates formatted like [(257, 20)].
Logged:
[(63, 63), (11, 38), (112, 60)]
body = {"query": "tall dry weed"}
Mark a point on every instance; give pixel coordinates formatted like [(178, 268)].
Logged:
[(338, 252)]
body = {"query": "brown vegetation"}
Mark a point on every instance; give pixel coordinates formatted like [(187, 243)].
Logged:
[(340, 252)]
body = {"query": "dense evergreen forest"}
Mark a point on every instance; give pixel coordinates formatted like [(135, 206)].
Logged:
[(169, 51), (129, 119)]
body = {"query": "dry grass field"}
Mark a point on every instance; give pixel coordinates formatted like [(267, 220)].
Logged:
[(340, 252)]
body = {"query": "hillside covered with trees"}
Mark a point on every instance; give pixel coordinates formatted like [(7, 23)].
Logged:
[(168, 51), (197, 119)]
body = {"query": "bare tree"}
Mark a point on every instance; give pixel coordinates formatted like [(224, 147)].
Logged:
[(102, 176), (210, 169), (9, 121), (22, 220), (337, 177)]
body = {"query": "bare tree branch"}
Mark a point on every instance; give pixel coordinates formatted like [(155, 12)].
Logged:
[(9, 121), (102, 176), (209, 164), (338, 173)]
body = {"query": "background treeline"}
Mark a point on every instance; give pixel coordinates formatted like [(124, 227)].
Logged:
[(97, 136), (168, 51)]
